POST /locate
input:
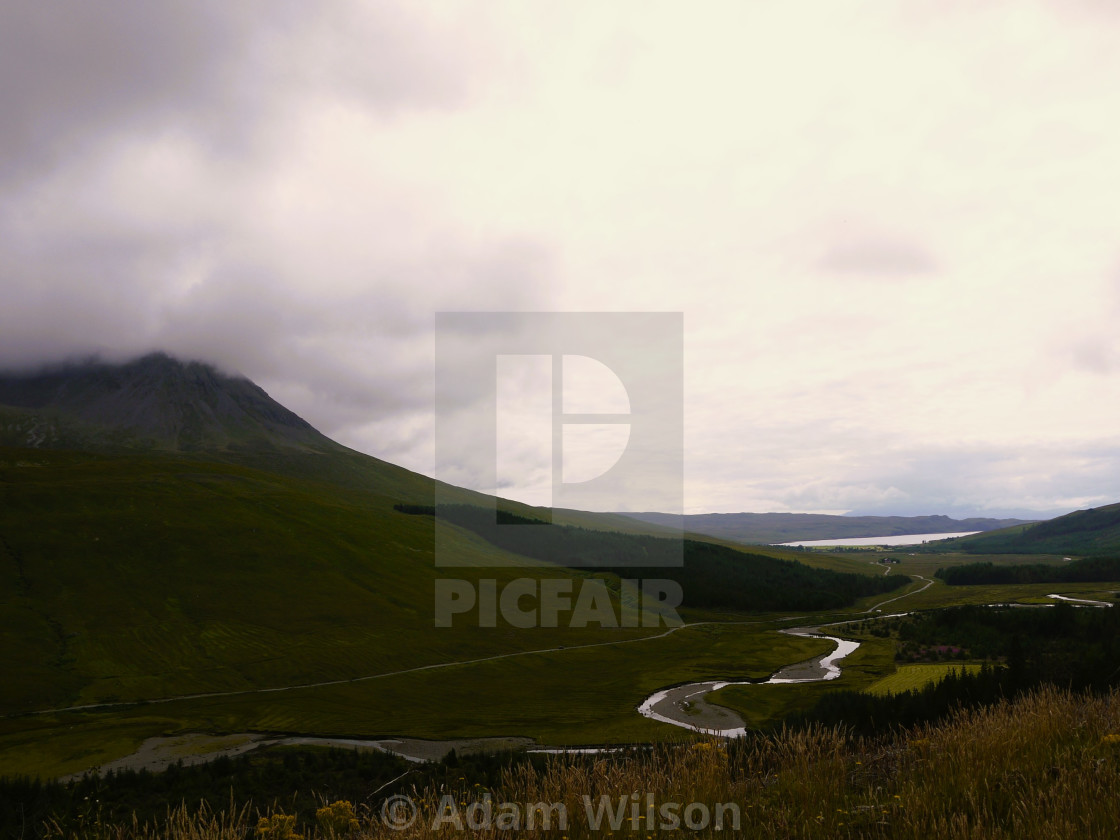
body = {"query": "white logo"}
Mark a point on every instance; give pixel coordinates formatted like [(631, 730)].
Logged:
[(566, 411), (549, 436)]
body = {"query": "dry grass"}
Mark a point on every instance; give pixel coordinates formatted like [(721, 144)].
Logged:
[(1046, 766)]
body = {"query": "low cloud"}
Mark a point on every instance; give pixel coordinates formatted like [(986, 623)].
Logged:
[(293, 192), (878, 258), (78, 76)]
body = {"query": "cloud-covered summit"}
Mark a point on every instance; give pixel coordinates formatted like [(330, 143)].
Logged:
[(890, 228)]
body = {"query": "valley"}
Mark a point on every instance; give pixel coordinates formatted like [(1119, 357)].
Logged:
[(568, 421), (165, 603), (350, 656)]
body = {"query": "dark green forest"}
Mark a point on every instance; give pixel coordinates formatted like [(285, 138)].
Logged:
[(1087, 570), (1070, 647)]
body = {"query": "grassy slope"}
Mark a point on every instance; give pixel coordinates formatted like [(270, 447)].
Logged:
[(917, 676), (139, 577), (111, 588), (114, 588), (566, 697), (1083, 532)]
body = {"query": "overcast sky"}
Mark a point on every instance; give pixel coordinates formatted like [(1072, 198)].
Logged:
[(893, 228)]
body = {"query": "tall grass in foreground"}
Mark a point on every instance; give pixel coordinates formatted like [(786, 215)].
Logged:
[(1044, 766)]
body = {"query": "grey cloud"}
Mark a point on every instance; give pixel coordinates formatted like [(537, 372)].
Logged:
[(386, 56), (349, 359), (1096, 355), (82, 276), (348, 356), (967, 479), (335, 318), (1096, 348), (74, 71), (84, 299), (76, 74), (878, 258), (847, 470), (1094, 10)]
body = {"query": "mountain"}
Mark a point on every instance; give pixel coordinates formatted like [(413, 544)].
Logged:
[(963, 511), (155, 402), (159, 405), (168, 530), (1084, 532), (774, 528)]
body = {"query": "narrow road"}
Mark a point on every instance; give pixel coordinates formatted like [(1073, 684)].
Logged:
[(929, 583)]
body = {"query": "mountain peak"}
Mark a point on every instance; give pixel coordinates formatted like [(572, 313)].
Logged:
[(155, 401)]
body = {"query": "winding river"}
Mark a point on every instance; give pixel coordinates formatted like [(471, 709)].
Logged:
[(686, 705), (681, 705)]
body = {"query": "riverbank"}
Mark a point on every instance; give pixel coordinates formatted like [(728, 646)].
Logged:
[(1041, 767), (686, 705), (157, 754)]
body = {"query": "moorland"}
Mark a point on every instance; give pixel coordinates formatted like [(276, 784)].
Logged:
[(181, 556)]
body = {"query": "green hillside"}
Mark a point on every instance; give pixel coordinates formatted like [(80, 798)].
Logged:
[(1081, 533), (248, 554), (130, 577)]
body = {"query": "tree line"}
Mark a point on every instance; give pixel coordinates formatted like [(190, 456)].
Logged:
[(1072, 648), (1086, 570), (712, 576)]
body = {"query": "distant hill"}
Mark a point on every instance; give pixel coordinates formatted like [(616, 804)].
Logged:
[(155, 402), (773, 528), (1083, 532)]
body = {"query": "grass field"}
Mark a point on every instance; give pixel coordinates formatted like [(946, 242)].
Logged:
[(115, 592), (940, 595), (571, 696), (142, 577), (916, 676)]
